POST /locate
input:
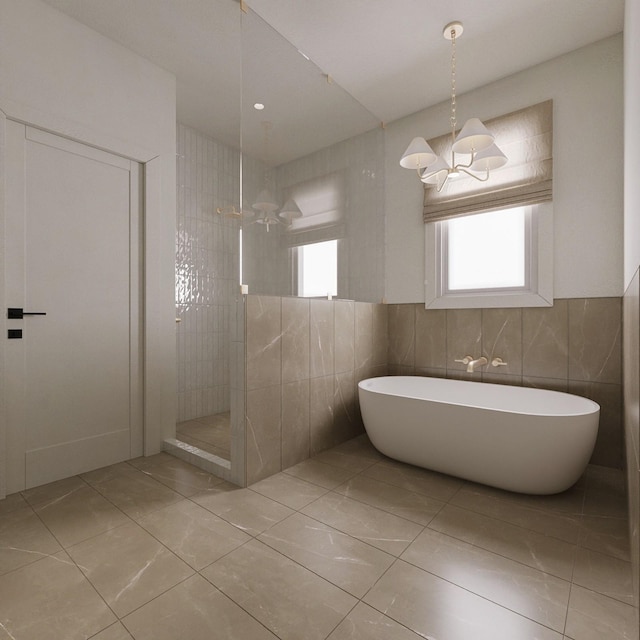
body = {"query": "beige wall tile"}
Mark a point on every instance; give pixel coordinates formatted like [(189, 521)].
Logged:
[(322, 338), (344, 335), (295, 422), (595, 336), (321, 413), (264, 331), (464, 337), (380, 334), (264, 433), (431, 338), (402, 327), (295, 339), (363, 334), (502, 338), (347, 419), (545, 341)]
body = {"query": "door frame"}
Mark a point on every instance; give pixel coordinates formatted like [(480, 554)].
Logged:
[(157, 255)]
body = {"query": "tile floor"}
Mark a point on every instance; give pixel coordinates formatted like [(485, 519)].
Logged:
[(346, 546), (209, 433)]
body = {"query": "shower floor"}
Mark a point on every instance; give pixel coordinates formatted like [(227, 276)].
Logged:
[(210, 433)]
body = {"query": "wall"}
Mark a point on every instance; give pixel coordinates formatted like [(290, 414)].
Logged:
[(60, 76), (207, 271), (304, 359), (586, 87), (631, 302), (574, 346)]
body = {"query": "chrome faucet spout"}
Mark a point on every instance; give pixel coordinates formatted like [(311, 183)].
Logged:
[(476, 363)]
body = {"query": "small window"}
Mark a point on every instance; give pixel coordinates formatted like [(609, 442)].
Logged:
[(317, 269), (498, 258), (489, 251)]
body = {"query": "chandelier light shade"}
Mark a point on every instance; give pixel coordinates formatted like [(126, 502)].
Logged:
[(474, 141)]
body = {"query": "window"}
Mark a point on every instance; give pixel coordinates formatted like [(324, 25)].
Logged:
[(317, 269), (493, 259)]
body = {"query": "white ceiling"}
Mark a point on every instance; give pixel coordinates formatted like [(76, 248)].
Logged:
[(386, 58)]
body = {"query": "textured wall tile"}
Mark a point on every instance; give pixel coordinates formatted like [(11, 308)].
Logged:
[(344, 335), (502, 378), (552, 384), (608, 449), (502, 338), (295, 423), (545, 341), (295, 339), (264, 336), (264, 433), (595, 336), (430, 372), (321, 413), (464, 337), (322, 338), (631, 355), (363, 334), (431, 338), (402, 334)]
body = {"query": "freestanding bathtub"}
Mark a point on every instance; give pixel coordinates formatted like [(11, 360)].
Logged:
[(515, 438)]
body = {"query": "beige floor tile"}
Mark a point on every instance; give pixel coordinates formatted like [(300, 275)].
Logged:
[(288, 490), (604, 502), (604, 574), (406, 476), (606, 535), (436, 608), (11, 503), (544, 553), (210, 433), (79, 514), (593, 616), (23, 538), (348, 563), (194, 534), (288, 599), (48, 493), (360, 446), (365, 623), (245, 509), (529, 592), (416, 507), (344, 460), (108, 473), (176, 474), (136, 494), (114, 632), (525, 513), (50, 599), (128, 567), (383, 530), (319, 473), (194, 610)]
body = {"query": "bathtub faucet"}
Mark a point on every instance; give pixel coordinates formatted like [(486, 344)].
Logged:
[(476, 363)]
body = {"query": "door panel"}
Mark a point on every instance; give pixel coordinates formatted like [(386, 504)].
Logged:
[(75, 364)]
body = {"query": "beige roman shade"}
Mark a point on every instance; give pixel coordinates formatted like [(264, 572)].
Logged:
[(526, 138)]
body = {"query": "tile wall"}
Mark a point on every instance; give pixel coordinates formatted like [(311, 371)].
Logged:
[(207, 271), (304, 359), (574, 346), (631, 324)]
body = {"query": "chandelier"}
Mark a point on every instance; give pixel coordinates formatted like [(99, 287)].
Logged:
[(474, 141)]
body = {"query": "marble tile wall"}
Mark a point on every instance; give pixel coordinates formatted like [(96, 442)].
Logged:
[(207, 271), (574, 346), (303, 361), (631, 367)]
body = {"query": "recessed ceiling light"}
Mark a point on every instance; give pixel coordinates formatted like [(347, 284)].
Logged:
[(258, 106)]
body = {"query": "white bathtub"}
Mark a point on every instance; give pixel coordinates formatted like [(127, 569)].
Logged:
[(514, 438)]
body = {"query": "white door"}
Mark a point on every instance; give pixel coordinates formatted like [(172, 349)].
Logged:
[(72, 252)]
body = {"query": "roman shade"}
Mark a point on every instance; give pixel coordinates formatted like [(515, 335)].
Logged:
[(526, 138), (321, 201)]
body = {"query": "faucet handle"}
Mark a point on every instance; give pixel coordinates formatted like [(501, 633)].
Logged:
[(497, 362), (465, 360)]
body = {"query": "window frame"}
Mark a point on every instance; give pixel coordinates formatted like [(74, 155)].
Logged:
[(539, 244)]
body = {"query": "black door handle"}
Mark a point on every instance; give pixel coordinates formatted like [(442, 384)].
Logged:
[(16, 313)]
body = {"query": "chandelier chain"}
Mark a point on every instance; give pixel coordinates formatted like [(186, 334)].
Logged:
[(453, 81)]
